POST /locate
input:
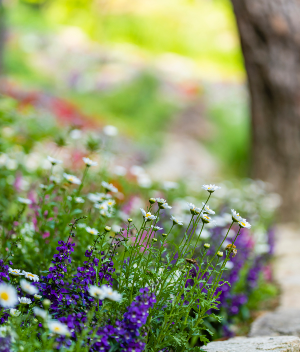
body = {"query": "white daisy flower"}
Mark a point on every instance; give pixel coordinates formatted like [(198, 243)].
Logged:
[(109, 187), (58, 328), (210, 188), (244, 224), (24, 200), (110, 202), (42, 186), (147, 216), (160, 200), (76, 134), (105, 213), (96, 292), (110, 130), (24, 300), (176, 221), (28, 288), (72, 179), (236, 216), (88, 162), (102, 206), (193, 209), (92, 231), (40, 313), (4, 330), (79, 200), (14, 312), (207, 209), (54, 161), (8, 296), (110, 294), (30, 276), (15, 272), (156, 228), (205, 218), (165, 206)]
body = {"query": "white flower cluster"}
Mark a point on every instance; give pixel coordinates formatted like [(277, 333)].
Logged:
[(17, 272), (104, 292)]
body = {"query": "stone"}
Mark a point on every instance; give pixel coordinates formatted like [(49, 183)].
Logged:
[(256, 344), (286, 265), (280, 322)]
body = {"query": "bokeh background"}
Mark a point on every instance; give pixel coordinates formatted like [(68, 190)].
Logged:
[(168, 74)]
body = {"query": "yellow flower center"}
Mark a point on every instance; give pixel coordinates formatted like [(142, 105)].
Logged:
[(56, 328), (31, 275), (147, 215), (242, 223), (4, 296)]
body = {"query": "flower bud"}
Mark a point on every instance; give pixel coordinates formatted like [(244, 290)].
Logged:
[(46, 303), (154, 239), (220, 254), (107, 228), (164, 234), (152, 200), (37, 296), (129, 220), (206, 245)]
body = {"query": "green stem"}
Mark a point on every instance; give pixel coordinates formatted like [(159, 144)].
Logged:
[(208, 265), (83, 177)]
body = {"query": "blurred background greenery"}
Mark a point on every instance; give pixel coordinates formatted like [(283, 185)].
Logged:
[(141, 66)]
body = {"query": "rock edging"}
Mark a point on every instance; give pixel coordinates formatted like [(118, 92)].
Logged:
[(256, 344)]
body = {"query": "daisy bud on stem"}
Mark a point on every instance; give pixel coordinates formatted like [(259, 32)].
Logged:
[(46, 303)]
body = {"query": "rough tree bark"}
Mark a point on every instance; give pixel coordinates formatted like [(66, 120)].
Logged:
[(270, 38)]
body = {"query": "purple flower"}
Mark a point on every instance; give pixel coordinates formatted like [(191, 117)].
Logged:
[(5, 344), (126, 333)]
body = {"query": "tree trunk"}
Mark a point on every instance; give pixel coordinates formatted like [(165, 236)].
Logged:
[(270, 38)]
